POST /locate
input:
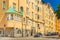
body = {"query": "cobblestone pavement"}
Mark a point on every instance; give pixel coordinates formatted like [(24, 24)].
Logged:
[(29, 38)]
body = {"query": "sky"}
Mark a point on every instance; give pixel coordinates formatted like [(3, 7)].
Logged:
[(53, 3)]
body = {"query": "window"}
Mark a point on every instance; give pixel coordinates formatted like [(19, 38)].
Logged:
[(0, 32), (38, 26), (27, 21), (24, 19), (27, 11), (27, 1), (11, 16), (33, 24), (47, 22), (51, 14), (32, 14), (19, 31), (4, 4), (15, 16), (35, 16), (38, 17), (38, 1), (21, 8), (47, 9), (8, 16), (14, 5), (18, 17), (38, 8), (32, 5)]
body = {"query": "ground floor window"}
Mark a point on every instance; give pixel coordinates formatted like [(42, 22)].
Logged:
[(19, 31), (0, 32)]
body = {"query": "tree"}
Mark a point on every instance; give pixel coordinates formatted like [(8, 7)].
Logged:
[(58, 12)]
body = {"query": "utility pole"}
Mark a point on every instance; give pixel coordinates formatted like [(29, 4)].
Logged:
[(18, 5)]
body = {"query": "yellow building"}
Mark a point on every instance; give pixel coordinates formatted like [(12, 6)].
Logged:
[(21, 18), (25, 18)]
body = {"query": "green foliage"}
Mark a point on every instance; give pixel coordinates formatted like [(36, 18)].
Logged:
[(58, 12)]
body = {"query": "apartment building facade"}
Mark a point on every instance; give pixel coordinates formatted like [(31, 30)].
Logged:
[(25, 18), (49, 19)]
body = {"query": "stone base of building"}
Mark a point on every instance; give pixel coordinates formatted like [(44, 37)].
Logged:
[(15, 32)]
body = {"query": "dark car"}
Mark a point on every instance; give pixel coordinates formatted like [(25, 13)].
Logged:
[(51, 33), (38, 35)]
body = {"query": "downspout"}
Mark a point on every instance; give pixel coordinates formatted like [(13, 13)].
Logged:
[(18, 5)]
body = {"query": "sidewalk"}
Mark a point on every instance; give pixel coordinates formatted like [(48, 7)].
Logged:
[(50, 36)]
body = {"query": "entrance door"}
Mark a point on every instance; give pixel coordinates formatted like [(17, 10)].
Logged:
[(1, 32), (33, 31)]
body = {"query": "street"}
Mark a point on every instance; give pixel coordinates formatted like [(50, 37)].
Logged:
[(27, 38)]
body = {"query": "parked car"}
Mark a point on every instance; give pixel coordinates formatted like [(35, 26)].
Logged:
[(54, 33), (38, 35), (48, 34), (51, 33)]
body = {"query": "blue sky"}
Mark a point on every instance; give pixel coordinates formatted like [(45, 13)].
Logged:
[(53, 3)]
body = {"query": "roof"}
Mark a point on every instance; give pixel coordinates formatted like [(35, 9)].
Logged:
[(11, 10), (21, 13)]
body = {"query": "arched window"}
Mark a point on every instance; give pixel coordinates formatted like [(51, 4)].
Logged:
[(18, 31)]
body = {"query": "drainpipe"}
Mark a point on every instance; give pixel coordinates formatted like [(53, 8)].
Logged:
[(22, 26), (4, 30), (18, 5)]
